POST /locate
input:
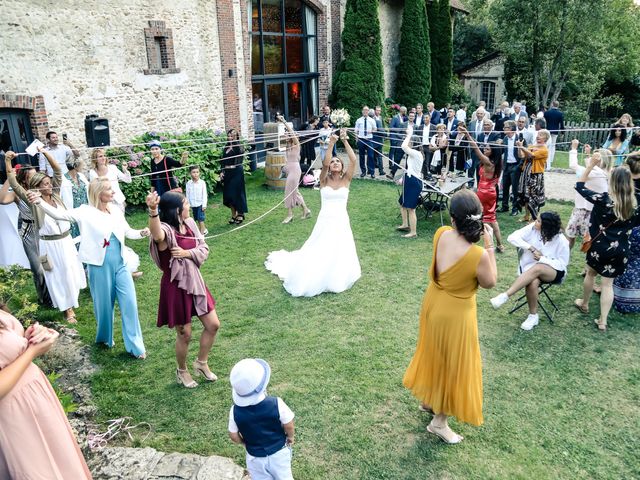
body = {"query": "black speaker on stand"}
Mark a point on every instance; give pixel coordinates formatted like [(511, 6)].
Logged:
[(96, 130)]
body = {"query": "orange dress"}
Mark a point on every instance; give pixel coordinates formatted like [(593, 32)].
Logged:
[(446, 369), (36, 440)]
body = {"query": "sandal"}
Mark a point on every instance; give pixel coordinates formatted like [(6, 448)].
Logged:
[(232, 221), (287, 220), (181, 381), (500, 248), (578, 304), (410, 235), (306, 215), (402, 228), (71, 319), (425, 408), (201, 368), (441, 432), (602, 326), (239, 219)]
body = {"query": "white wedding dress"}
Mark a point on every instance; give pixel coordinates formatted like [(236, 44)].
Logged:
[(328, 261)]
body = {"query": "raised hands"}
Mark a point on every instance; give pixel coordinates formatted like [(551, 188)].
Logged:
[(152, 201), (34, 197), (574, 144)]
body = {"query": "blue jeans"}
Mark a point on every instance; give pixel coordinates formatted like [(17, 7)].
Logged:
[(364, 148)]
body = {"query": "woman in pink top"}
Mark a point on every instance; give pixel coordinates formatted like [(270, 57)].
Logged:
[(178, 249), (36, 440)]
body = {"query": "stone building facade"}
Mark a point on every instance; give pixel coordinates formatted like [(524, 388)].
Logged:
[(162, 65), (484, 81)]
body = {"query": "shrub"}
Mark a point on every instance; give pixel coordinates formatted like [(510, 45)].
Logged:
[(204, 147), (440, 37), (65, 398), (359, 79), (413, 73), (15, 292)]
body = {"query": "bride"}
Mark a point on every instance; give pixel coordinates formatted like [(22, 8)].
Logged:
[(309, 271)]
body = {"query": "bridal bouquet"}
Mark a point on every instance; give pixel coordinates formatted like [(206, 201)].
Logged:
[(340, 118)]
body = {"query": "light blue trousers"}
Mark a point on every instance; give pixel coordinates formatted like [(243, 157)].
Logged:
[(108, 282)]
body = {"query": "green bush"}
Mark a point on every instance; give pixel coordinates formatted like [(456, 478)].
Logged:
[(459, 95), (16, 293), (204, 147), (359, 79), (65, 398), (440, 37), (413, 74)]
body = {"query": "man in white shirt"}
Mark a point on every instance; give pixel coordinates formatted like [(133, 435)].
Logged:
[(510, 168), (365, 127), (419, 120), (518, 112), (461, 114), (475, 129), (63, 154)]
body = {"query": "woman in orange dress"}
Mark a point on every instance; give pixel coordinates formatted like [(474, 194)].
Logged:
[(531, 184), (36, 440), (445, 373)]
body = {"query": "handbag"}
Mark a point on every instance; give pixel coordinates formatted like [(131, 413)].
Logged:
[(166, 172), (45, 261), (587, 240)]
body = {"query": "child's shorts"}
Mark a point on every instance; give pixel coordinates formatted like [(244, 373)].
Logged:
[(198, 214), (276, 466)]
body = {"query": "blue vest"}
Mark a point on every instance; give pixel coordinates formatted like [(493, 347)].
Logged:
[(260, 427)]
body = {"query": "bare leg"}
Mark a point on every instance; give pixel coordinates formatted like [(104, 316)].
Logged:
[(289, 216), (211, 324), (606, 298), (403, 214), (587, 286), (538, 272), (496, 233), (413, 222), (532, 296), (183, 337)]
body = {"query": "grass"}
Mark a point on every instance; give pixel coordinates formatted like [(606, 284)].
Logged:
[(561, 401)]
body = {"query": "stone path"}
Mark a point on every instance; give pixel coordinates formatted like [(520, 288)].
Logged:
[(71, 359)]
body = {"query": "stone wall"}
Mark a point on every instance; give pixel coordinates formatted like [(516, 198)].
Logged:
[(390, 17), (87, 56), (490, 71)]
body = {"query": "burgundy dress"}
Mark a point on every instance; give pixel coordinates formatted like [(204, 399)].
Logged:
[(176, 305), (488, 196)]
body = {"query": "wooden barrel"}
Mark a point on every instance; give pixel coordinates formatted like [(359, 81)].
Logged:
[(272, 168)]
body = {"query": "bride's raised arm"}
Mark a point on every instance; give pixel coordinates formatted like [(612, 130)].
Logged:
[(350, 153), (328, 156)]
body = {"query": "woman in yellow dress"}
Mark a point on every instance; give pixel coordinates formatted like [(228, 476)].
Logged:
[(445, 373)]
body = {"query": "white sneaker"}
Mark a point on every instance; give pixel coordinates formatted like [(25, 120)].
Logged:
[(530, 322), (500, 300)]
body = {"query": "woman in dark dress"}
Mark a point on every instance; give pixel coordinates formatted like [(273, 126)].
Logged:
[(234, 195), (179, 250), (163, 178), (613, 217)]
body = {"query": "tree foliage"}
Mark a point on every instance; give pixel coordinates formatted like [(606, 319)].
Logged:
[(566, 47), (471, 42), (440, 38), (359, 77), (413, 79)]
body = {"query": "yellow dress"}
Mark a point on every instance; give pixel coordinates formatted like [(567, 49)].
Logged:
[(446, 370)]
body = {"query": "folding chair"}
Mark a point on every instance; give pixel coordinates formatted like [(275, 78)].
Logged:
[(543, 290)]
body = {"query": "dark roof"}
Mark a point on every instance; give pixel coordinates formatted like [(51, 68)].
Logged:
[(479, 62)]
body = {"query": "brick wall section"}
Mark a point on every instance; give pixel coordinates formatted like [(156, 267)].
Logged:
[(244, 13), (228, 61), (36, 108), (158, 28)]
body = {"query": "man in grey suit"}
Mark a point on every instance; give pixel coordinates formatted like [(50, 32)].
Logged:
[(378, 139), (397, 129)]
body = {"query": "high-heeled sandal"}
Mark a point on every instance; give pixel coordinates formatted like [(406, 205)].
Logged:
[(306, 215), (239, 219), (602, 326), (201, 368), (288, 220), (182, 381), (500, 248), (232, 221)]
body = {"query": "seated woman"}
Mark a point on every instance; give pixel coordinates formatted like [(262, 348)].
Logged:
[(544, 259)]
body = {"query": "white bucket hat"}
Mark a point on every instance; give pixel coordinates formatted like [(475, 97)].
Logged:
[(249, 379)]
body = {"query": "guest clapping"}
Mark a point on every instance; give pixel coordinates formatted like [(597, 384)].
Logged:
[(411, 186), (178, 249), (544, 259), (612, 219), (36, 440)]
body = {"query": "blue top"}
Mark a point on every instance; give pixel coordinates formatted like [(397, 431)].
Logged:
[(260, 427)]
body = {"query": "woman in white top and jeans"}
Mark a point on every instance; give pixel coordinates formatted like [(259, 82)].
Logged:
[(411, 187), (545, 257)]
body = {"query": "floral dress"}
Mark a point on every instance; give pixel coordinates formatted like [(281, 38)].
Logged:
[(79, 192), (609, 250)]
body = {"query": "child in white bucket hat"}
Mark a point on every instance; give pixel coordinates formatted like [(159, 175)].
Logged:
[(262, 423)]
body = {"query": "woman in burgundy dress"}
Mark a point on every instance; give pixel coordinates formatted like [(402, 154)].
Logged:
[(490, 168), (179, 249)]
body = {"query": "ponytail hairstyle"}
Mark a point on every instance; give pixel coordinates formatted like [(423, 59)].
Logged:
[(465, 210), (171, 206), (550, 225), (622, 193)]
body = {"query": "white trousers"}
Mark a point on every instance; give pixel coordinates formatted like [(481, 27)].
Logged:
[(552, 149), (271, 467)]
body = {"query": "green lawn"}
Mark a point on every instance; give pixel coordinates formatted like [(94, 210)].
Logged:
[(561, 401)]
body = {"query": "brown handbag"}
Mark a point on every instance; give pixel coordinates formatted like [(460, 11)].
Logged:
[(587, 240)]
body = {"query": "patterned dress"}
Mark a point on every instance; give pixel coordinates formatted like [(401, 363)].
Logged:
[(609, 252), (79, 192)]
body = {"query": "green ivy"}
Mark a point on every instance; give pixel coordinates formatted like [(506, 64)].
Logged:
[(204, 147), (65, 398), (14, 284)]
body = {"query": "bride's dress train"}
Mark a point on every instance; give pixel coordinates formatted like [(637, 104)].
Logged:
[(328, 261)]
